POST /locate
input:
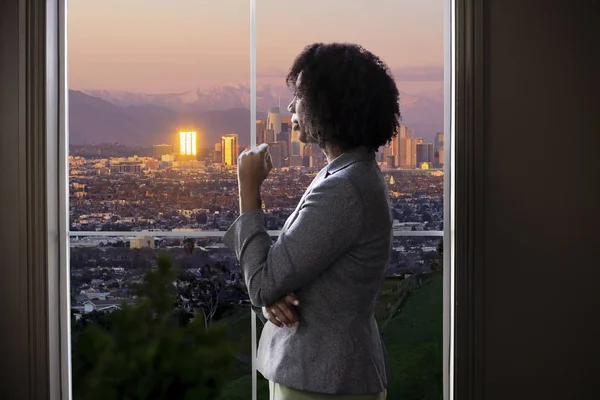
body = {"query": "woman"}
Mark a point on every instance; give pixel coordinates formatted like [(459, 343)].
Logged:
[(334, 249)]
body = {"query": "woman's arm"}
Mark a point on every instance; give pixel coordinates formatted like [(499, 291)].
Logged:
[(327, 225)]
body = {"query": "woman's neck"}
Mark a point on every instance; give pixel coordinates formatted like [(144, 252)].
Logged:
[(332, 153)]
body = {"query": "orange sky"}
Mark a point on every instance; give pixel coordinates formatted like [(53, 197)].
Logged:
[(159, 46)]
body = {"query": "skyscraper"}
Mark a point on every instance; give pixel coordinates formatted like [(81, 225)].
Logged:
[(424, 153), (188, 144), (387, 152), (229, 149), (261, 135), (286, 124), (402, 145), (160, 150), (440, 157), (439, 140), (395, 145), (283, 137), (430, 153), (217, 153), (296, 161), (270, 136), (296, 146), (277, 153), (274, 121), (411, 150)]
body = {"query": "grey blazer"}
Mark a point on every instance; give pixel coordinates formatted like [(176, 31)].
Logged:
[(333, 253)]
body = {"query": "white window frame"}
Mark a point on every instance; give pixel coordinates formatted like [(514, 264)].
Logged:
[(59, 292)]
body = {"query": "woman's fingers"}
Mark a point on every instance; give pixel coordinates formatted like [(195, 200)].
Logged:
[(274, 320), (291, 299), (284, 311)]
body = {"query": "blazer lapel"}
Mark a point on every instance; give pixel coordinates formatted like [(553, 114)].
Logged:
[(293, 215)]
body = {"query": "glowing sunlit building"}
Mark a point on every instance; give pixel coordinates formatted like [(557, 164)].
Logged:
[(274, 121), (229, 149), (188, 144)]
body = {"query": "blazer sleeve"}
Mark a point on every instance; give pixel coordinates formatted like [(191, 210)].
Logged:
[(259, 313), (328, 224)]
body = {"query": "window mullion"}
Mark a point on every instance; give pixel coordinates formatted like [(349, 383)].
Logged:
[(253, 144)]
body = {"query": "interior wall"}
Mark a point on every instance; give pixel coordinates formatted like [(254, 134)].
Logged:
[(541, 267), (14, 349), (541, 199)]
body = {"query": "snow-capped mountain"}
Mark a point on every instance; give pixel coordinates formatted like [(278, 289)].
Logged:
[(103, 116), (235, 95)]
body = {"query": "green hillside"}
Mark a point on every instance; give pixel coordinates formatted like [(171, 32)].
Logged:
[(414, 340), (414, 343)]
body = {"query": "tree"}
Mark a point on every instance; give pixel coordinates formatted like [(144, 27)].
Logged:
[(147, 353), (201, 293), (188, 245), (202, 218)]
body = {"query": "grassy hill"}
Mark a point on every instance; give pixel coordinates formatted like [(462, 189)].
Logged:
[(414, 342)]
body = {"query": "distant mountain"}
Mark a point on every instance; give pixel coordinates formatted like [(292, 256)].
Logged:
[(145, 119), (93, 120)]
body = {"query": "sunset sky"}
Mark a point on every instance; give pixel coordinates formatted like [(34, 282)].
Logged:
[(165, 46)]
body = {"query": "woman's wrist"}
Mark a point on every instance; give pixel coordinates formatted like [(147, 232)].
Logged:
[(250, 199)]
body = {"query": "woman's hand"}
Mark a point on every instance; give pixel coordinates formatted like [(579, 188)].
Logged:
[(254, 166), (282, 312)]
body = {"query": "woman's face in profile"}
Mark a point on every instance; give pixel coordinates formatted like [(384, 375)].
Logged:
[(299, 117)]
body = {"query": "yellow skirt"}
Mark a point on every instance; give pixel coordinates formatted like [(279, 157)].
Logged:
[(281, 392)]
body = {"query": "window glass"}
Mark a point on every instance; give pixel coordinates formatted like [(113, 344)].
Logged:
[(408, 37), (158, 113)]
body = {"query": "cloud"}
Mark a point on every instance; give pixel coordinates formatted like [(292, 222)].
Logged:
[(429, 73), (270, 73), (421, 73)]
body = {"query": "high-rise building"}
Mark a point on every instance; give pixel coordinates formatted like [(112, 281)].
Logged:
[(379, 154), (188, 143), (402, 162), (203, 152), (430, 153), (296, 161), (277, 153), (229, 149), (395, 145), (217, 154), (160, 150), (270, 136), (308, 150), (439, 159), (283, 137), (413, 149), (261, 135), (296, 146), (387, 152), (274, 121), (424, 153), (390, 161), (308, 161), (439, 141), (286, 124)]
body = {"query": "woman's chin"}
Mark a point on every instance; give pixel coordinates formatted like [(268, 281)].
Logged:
[(303, 137)]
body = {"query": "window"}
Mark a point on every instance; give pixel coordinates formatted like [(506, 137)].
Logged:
[(161, 104)]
